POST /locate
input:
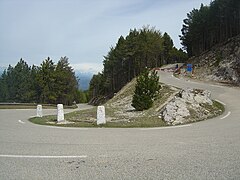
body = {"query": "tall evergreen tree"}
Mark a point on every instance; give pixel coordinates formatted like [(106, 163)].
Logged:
[(46, 80), (4, 94), (48, 83), (66, 83), (167, 47), (141, 48), (209, 25), (20, 82)]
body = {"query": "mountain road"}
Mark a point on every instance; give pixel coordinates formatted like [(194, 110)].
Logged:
[(205, 150)]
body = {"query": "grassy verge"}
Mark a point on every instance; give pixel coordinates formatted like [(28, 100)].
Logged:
[(87, 118), (119, 113), (138, 122)]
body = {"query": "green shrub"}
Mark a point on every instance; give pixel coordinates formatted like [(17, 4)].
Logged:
[(146, 90)]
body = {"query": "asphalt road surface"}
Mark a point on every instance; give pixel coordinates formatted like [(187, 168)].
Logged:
[(205, 150)]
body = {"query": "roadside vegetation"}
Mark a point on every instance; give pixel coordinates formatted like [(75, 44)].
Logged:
[(119, 112), (48, 83), (210, 25), (141, 48), (146, 90)]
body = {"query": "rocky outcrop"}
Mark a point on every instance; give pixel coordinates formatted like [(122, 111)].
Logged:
[(221, 64), (188, 106)]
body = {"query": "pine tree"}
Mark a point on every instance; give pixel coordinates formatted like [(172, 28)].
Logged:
[(141, 48), (4, 95), (47, 81), (65, 82), (167, 47), (146, 90), (209, 25)]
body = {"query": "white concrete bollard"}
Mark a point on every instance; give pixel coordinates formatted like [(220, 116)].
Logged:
[(39, 111), (60, 113), (101, 115)]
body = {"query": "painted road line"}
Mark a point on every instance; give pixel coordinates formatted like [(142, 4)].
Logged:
[(39, 157), (226, 115), (166, 127), (220, 102), (216, 85), (20, 121), (70, 128), (175, 77), (59, 127)]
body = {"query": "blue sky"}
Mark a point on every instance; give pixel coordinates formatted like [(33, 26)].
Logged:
[(82, 30)]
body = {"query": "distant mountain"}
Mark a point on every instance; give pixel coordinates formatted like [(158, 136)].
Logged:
[(1, 70), (85, 78)]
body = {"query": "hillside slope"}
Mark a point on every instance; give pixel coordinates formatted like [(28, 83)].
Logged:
[(173, 106), (120, 107), (221, 63)]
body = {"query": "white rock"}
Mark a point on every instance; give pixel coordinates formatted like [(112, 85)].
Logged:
[(177, 122), (207, 93), (180, 102), (39, 111), (179, 119), (200, 99), (101, 115), (183, 111), (60, 113), (177, 111), (168, 118), (188, 95)]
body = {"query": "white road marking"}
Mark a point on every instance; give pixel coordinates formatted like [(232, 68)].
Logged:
[(73, 128), (20, 121), (168, 127), (216, 85), (40, 157), (229, 112), (175, 77), (23, 109), (220, 102)]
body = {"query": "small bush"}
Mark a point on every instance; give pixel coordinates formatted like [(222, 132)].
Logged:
[(146, 90)]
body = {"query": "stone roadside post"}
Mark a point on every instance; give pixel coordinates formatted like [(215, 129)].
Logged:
[(60, 113), (39, 111), (101, 115)]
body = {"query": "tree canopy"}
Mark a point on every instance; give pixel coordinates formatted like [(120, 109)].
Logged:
[(48, 83), (141, 48), (209, 25)]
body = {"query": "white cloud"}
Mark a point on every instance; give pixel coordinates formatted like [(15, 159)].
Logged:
[(88, 67)]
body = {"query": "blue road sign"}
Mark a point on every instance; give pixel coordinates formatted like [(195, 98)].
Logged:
[(189, 67)]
